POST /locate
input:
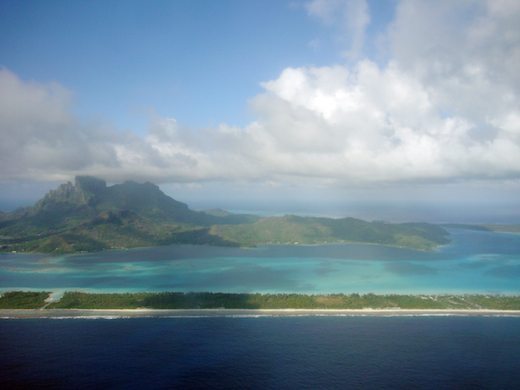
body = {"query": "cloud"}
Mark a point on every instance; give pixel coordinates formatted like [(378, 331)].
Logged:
[(40, 133), (349, 17), (443, 108), (465, 52)]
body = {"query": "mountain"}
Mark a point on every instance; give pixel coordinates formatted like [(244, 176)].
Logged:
[(89, 196), (291, 229), (90, 216)]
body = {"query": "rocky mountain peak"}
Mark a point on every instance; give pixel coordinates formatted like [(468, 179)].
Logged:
[(64, 191), (90, 184), (85, 189)]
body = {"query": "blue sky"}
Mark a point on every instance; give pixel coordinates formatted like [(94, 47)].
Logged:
[(320, 105), (196, 61)]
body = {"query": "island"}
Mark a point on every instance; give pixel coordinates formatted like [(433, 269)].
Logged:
[(90, 216), (20, 304)]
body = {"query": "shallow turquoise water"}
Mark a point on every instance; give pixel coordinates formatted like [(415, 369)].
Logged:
[(475, 262)]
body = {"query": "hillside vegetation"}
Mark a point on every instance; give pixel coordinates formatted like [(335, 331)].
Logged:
[(89, 216), (291, 229)]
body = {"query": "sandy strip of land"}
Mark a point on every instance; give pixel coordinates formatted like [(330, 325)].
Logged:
[(129, 313)]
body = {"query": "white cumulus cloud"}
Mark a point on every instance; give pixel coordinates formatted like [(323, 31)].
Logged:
[(444, 107)]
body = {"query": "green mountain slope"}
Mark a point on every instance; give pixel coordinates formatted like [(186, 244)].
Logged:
[(291, 229), (89, 216)]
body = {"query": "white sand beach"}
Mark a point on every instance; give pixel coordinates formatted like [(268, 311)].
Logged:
[(131, 313)]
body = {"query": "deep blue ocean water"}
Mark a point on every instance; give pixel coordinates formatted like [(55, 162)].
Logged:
[(434, 352), (261, 353)]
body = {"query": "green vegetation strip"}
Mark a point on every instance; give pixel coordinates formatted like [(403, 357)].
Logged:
[(204, 300), (23, 300)]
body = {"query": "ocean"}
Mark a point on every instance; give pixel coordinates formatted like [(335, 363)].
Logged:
[(446, 352), (257, 352), (475, 262)]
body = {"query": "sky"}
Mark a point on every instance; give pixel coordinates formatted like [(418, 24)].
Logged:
[(398, 109)]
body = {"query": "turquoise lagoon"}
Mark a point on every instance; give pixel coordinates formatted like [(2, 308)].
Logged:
[(475, 262)]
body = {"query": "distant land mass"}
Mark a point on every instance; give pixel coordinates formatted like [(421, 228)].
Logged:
[(207, 300), (89, 216)]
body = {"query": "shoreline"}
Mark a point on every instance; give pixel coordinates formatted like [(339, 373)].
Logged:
[(195, 313)]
